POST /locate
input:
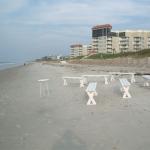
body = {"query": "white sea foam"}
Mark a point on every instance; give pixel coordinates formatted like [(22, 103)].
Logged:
[(5, 65)]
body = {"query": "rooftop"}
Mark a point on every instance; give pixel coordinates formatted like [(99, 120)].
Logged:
[(102, 26), (128, 30), (76, 45)]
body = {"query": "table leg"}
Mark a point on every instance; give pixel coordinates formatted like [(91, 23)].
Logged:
[(106, 80), (146, 84), (132, 78), (40, 89), (112, 78), (47, 89), (81, 83), (65, 82)]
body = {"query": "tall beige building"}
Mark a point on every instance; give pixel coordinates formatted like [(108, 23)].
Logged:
[(106, 41), (101, 39), (131, 40)]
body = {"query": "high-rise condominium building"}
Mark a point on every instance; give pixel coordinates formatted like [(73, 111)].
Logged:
[(101, 39), (131, 40), (106, 41), (80, 50), (76, 50)]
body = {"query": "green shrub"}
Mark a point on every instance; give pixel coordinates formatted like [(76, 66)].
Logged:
[(139, 54)]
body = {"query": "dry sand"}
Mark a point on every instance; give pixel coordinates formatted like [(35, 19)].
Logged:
[(62, 120)]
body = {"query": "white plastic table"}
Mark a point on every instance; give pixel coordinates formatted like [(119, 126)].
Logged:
[(44, 89)]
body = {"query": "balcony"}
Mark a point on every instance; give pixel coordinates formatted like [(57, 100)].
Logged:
[(95, 41), (137, 47), (109, 46), (125, 39), (123, 43), (125, 47), (138, 39), (137, 44), (109, 39), (109, 42), (94, 44)]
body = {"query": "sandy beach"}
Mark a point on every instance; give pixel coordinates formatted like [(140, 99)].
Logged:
[(62, 120)]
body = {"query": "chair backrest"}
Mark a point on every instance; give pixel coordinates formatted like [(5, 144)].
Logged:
[(91, 87), (146, 77), (124, 82)]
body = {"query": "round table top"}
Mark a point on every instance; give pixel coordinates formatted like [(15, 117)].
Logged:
[(42, 80)]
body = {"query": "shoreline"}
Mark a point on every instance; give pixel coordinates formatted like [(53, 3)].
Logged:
[(12, 65), (96, 67), (5, 66)]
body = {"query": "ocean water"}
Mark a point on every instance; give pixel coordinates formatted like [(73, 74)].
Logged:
[(6, 65)]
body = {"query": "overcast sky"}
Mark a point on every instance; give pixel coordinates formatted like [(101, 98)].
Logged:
[(34, 28)]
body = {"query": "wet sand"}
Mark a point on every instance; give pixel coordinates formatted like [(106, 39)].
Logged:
[(62, 120)]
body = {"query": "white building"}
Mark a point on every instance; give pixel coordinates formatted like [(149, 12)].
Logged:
[(79, 50)]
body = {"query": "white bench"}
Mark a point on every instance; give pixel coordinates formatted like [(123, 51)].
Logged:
[(125, 87), (44, 87), (74, 78), (123, 73), (147, 77), (91, 92), (101, 75)]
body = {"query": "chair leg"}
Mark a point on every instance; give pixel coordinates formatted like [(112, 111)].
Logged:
[(84, 80), (81, 83), (132, 79), (112, 78), (106, 80), (126, 93), (91, 100), (65, 82)]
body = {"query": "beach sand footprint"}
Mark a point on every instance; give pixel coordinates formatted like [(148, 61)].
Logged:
[(69, 141)]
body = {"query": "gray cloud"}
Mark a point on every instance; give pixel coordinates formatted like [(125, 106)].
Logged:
[(40, 27)]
